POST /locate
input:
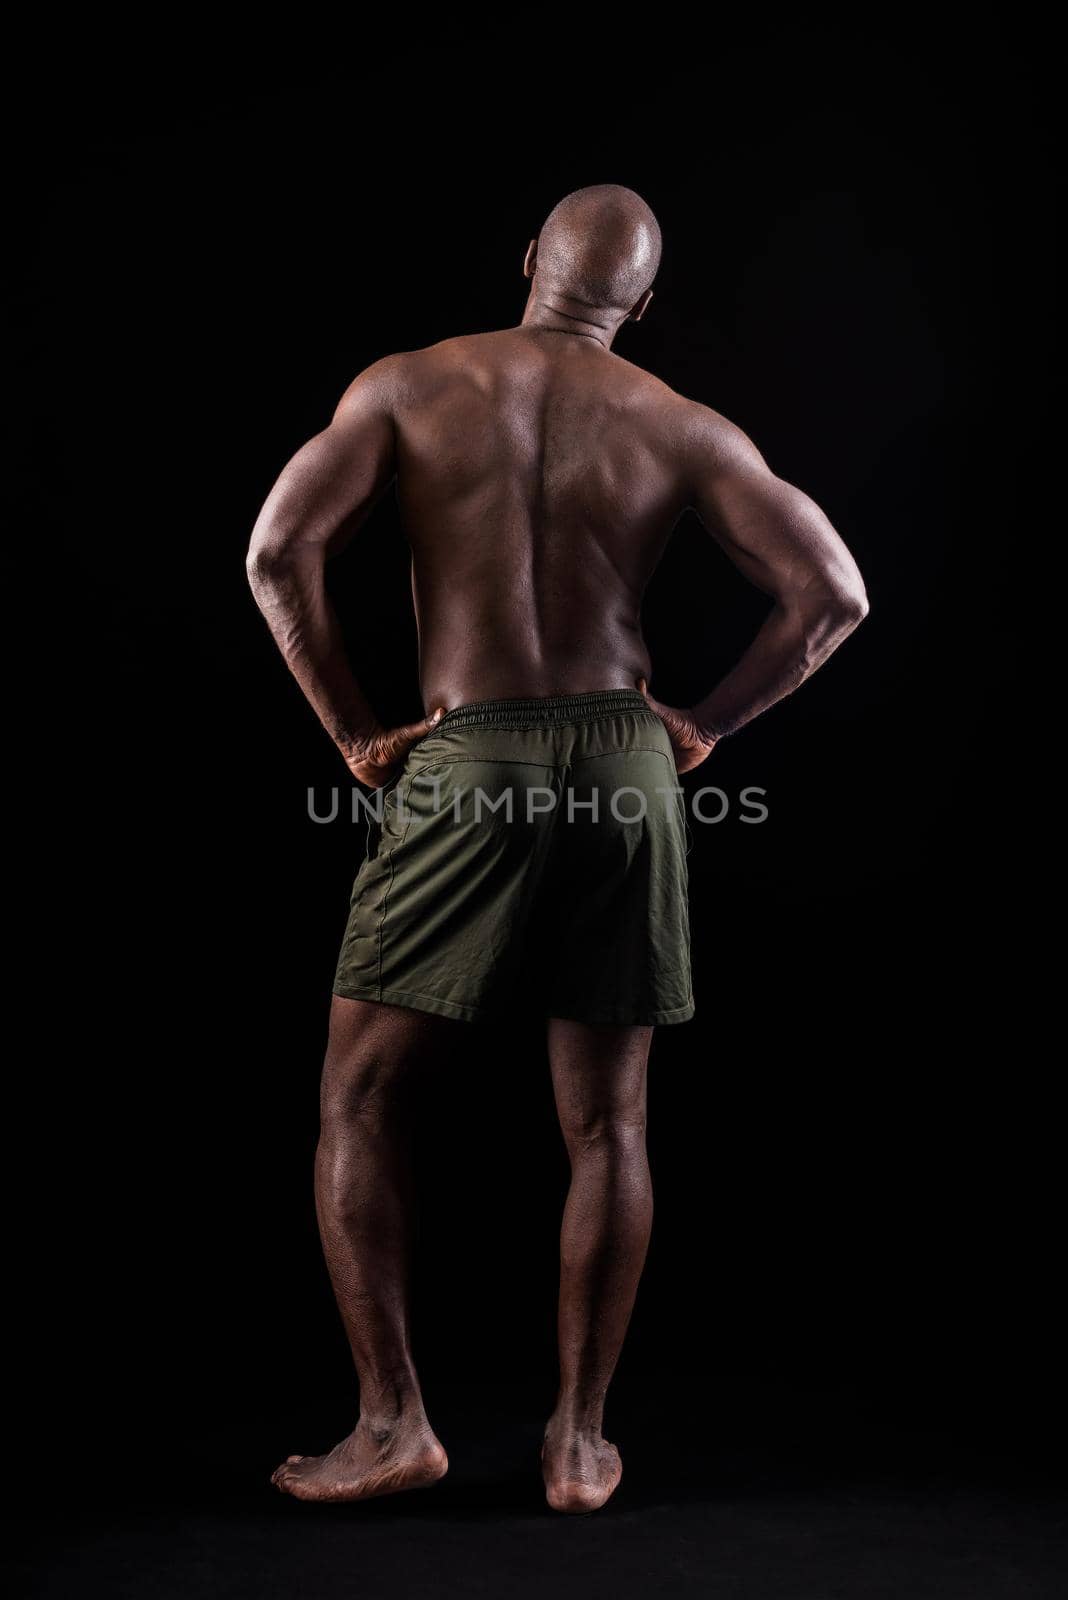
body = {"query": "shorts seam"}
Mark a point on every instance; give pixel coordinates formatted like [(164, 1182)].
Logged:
[(389, 888), (497, 761), (643, 749)]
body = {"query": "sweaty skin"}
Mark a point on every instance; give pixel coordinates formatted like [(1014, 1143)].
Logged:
[(539, 476)]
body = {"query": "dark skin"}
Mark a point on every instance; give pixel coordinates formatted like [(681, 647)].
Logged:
[(539, 476)]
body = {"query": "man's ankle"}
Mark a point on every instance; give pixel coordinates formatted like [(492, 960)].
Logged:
[(577, 1415), (389, 1406)]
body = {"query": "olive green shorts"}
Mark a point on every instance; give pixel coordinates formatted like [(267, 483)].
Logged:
[(530, 856)]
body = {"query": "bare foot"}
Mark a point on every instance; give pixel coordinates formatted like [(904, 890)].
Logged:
[(581, 1470), (371, 1461)]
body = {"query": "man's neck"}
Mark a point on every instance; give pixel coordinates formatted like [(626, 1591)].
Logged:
[(557, 313)]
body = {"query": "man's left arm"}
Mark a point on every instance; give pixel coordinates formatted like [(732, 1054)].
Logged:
[(322, 496), (782, 542)]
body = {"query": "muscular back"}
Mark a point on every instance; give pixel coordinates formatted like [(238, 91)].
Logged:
[(539, 477)]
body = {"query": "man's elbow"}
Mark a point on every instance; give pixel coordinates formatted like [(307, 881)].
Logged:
[(828, 613), (839, 600), (850, 605), (266, 564)]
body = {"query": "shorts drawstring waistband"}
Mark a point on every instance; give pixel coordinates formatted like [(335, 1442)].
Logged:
[(546, 711)]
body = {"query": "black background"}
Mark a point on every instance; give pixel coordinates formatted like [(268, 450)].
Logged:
[(853, 1266)]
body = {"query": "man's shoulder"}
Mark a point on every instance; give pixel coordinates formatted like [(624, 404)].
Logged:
[(687, 423), (703, 427), (646, 384), (419, 370), (392, 378), (455, 350)]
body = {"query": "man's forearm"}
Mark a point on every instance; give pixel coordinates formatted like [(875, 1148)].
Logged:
[(290, 590), (789, 647)]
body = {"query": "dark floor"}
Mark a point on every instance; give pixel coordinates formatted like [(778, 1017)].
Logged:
[(798, 1507)]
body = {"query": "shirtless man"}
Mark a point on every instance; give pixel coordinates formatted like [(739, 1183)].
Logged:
[(539, 476)]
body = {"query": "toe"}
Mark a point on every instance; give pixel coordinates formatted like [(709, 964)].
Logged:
[(283, 1468)]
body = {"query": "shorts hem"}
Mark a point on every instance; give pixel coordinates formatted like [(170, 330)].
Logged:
[(627, 1019), (416, 1000)]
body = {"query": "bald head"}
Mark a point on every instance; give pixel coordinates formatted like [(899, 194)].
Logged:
[(600, 246)]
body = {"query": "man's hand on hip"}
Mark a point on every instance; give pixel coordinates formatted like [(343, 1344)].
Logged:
[(379, 757), (690, 745)]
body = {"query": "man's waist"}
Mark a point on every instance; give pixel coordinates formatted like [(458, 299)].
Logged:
[(542, 711)]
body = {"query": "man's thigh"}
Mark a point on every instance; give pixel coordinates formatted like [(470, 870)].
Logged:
[(440, 908), (619, 908)]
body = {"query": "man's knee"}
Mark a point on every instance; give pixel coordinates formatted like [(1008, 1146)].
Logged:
[(358, 1085), (618, 1127), (369, 1054), (358, 1072)]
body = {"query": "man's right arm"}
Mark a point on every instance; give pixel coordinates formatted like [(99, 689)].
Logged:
[(322, 496), (784, 544)]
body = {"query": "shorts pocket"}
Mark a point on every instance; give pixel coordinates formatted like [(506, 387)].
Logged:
[(374, 808)]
